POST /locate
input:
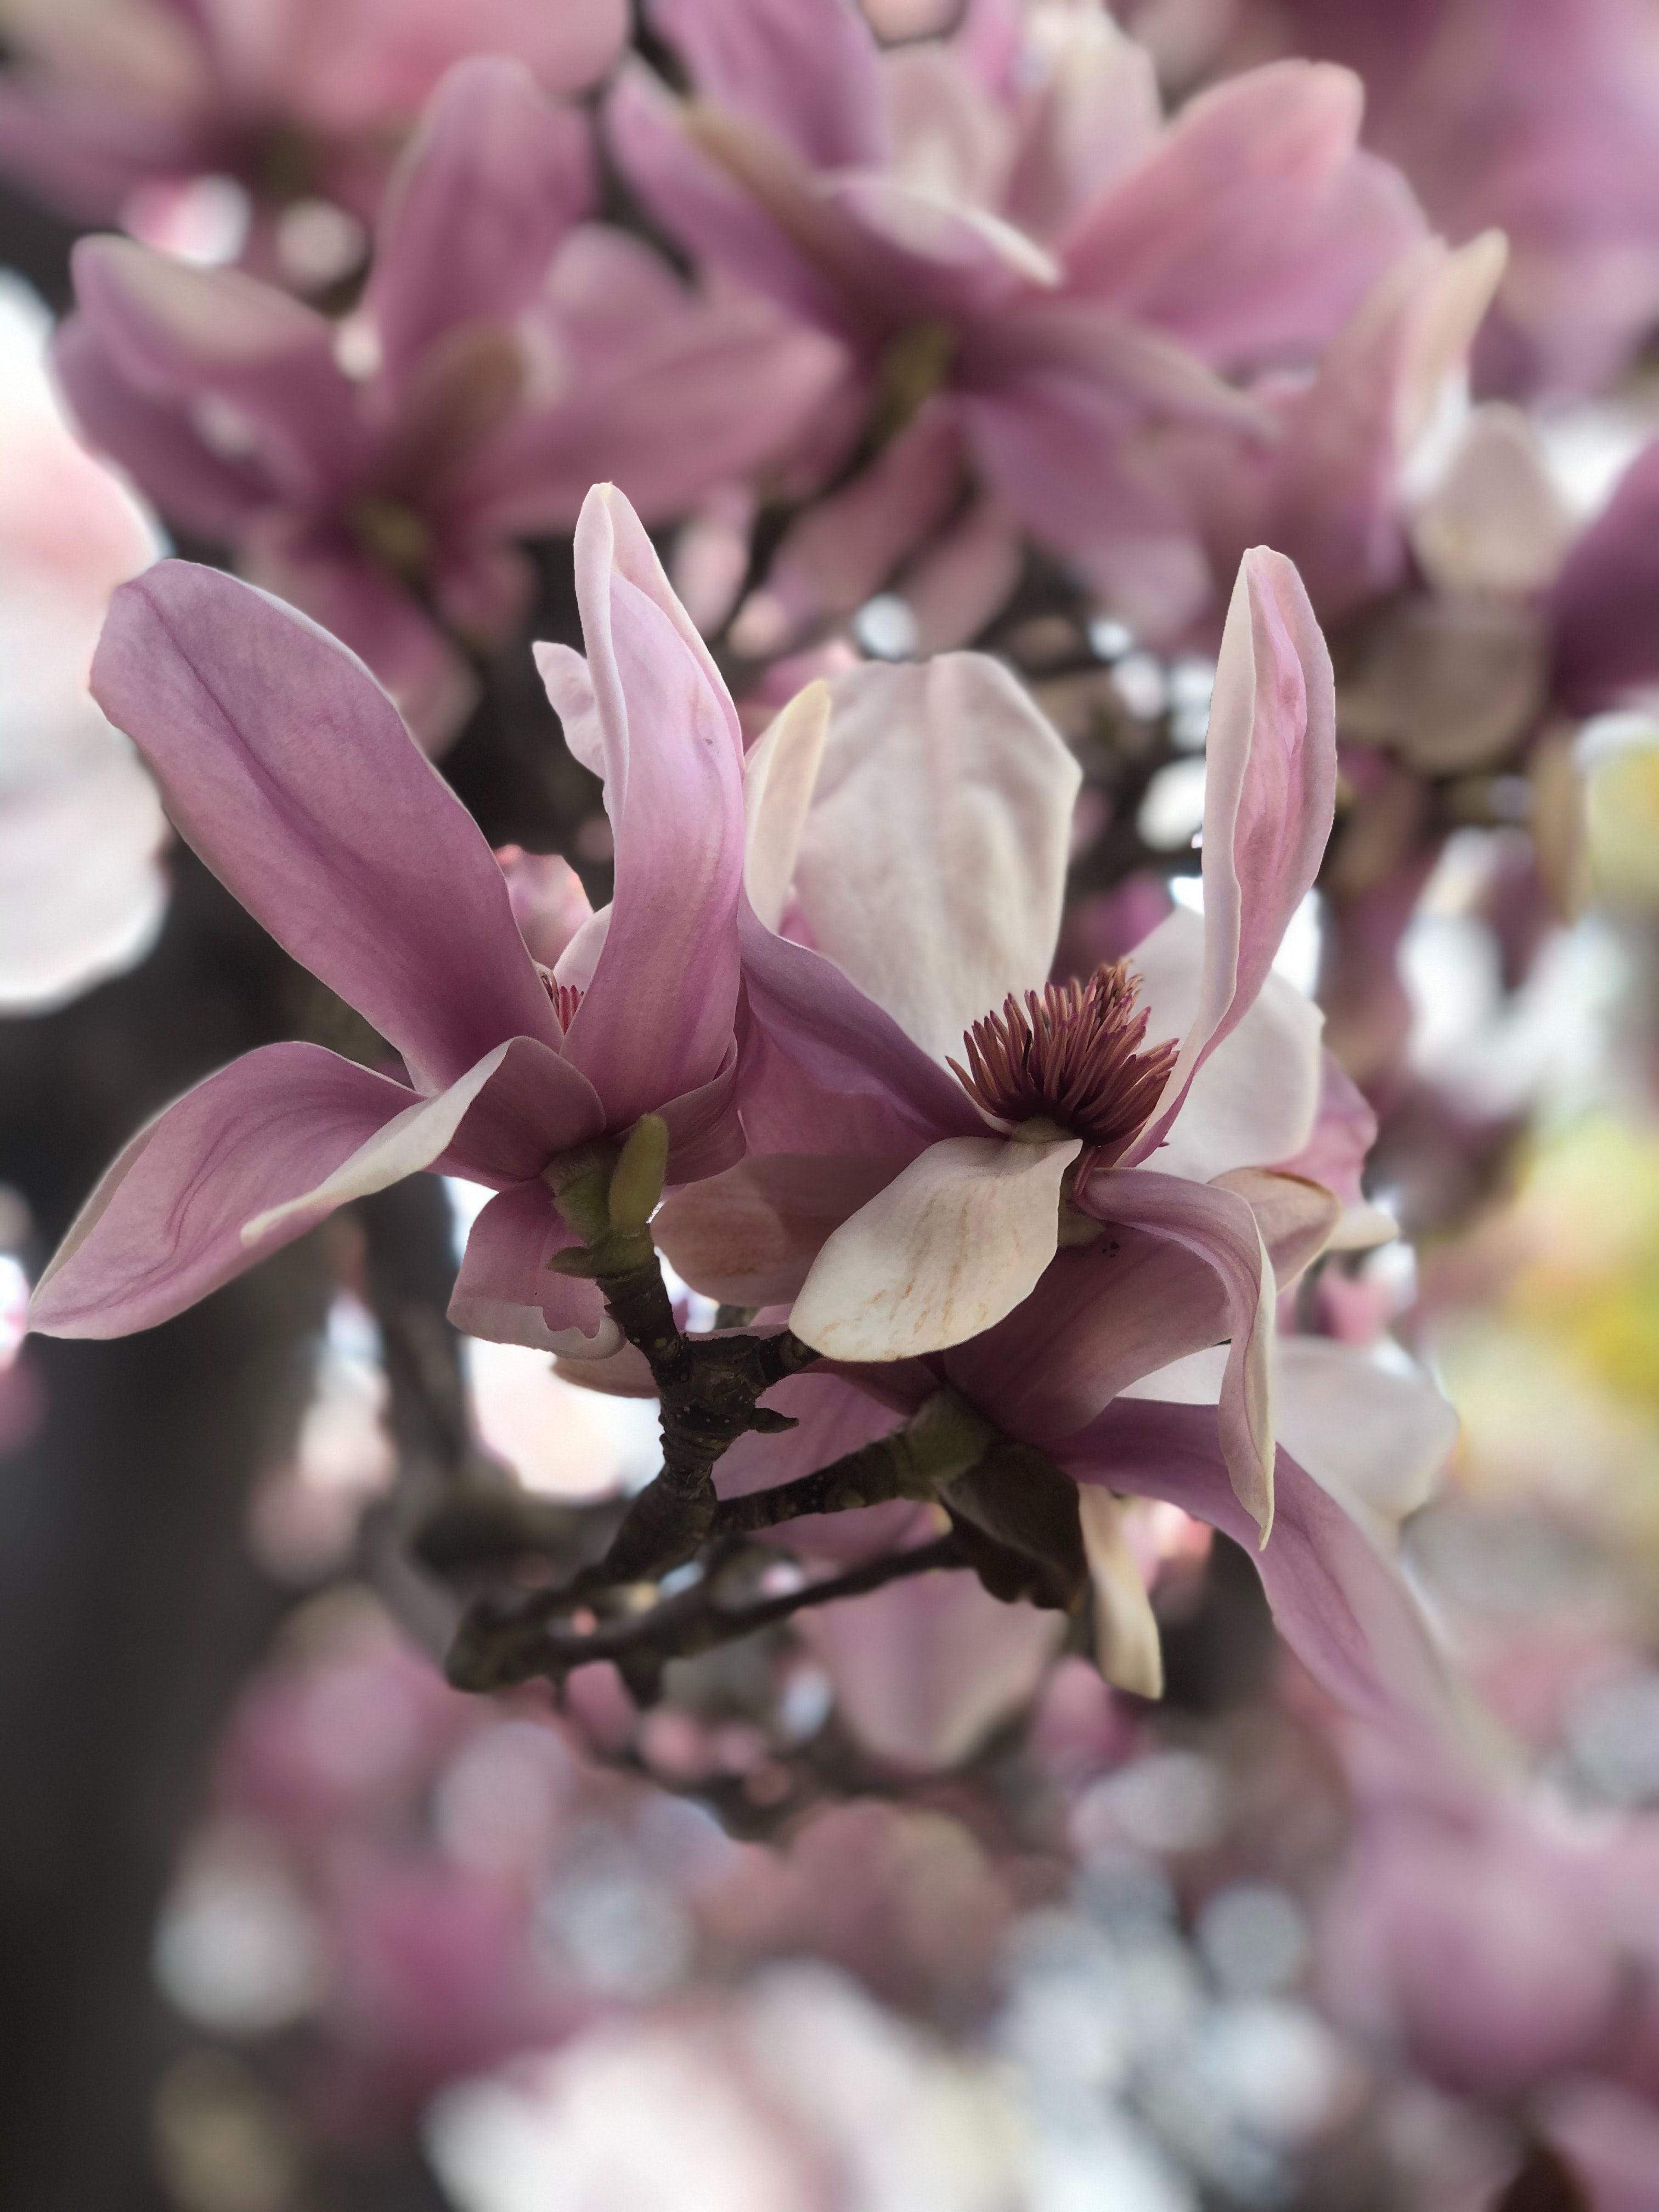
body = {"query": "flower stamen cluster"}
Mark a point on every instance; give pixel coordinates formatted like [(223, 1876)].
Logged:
[(1072, 1055)]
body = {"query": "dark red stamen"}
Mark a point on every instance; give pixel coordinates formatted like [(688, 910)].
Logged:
[(1071, 1055)]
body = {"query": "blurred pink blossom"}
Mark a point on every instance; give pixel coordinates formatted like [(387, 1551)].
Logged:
[(287, 769), (113, 106), (504, 356), (1028, 273)]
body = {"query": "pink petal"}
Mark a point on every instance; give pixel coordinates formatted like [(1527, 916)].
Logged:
[(549, 903), (656, 1018), (1253, 228), (925, 1670), (1100, 1319), (380, 58), (668, 393), (359, 603), (495, 176), (823, 1069), (286, 768), (750, 208), (806, 71), (1269, 801), (1337, 1602), (1344, 1131), (502, 1121), (705, 1135), (1607, 645), (1336, 506), (181, 333), (749, 1238), (846, 546), (154, 438), (164, 1226), (505, 1291), (1217, 1226)]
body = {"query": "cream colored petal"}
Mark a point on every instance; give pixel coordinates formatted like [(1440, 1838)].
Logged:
[(932, 868), (1376, 1438), (778, 780), (1255, 1098), (1127, 1649), (949, 1248), (1496, 521)]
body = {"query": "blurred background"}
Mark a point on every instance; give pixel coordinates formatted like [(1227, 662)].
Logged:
[(289, 1925)]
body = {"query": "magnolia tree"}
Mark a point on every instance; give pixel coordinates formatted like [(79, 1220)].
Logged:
[(1016, 559)]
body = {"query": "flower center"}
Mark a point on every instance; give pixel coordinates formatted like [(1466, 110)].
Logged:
[(1071, 1055), (566, 997)]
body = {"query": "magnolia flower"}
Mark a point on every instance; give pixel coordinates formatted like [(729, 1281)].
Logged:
[(287, 769), (1026, 269), (1111, 1137), (111, 103), (1508, 1949), (1540, 118), (504, 355)]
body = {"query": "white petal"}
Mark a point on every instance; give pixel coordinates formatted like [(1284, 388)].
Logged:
[(932, 868), (1253, 1100), (1375, 1439), (949, 1248), (1127, 1649), (778, 780)]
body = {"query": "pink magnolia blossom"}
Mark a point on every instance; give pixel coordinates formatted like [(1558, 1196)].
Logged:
[(292, 100), (287, 770), (505, 355), (1509, 1950), (1027, 271), (1043, 1254), (927, 873), (1537, 115)]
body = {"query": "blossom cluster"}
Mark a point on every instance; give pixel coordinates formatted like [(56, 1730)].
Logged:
[(1022, 519)]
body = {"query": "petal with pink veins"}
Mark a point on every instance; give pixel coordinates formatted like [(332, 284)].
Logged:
[(164, 1226), (493, 179), (284, 765), (656, 1018), (506, 1292), (932, 863), (944, 1251), (1217, 1226), (502, 1121), (823, 1069), (806, 70), (1269, 801), (1340, 1605)]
